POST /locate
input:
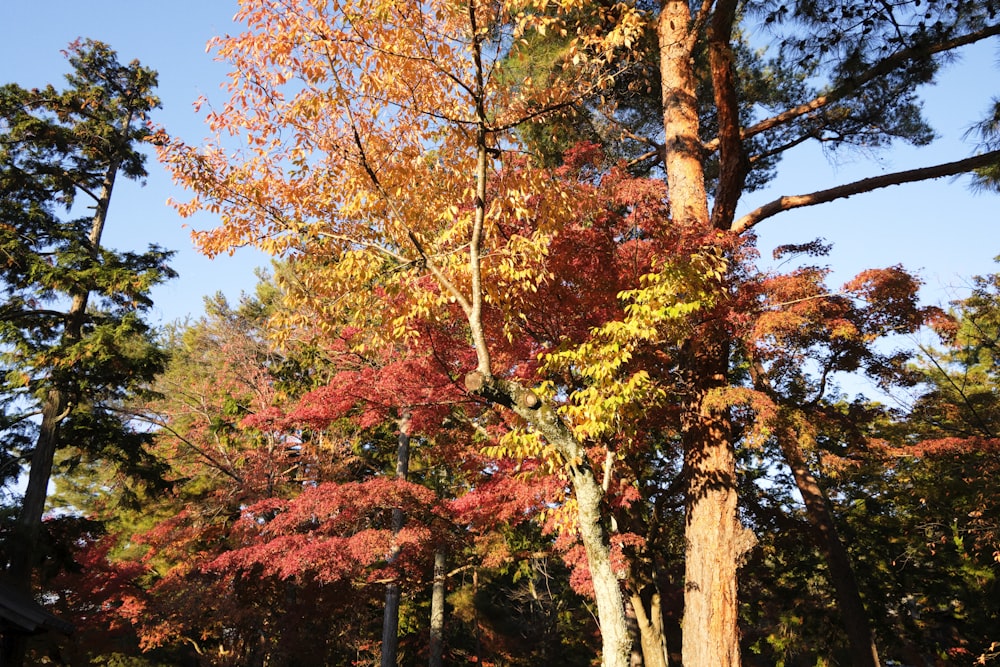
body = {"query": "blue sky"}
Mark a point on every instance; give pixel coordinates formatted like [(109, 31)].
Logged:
[(941, 229), (169, 37)]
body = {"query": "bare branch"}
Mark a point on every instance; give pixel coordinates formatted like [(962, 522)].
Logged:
[(850, 86), (865, 185)]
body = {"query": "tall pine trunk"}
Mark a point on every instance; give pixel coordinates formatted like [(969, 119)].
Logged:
[(714, 537), (29, 520), (55, 408), (857, 624), (714, 545)]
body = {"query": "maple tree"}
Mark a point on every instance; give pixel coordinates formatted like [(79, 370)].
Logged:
[(380, 147), (241, 430)]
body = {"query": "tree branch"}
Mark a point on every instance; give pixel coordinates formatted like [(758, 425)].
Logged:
[(732, 158), (853, 84), (865, 185)]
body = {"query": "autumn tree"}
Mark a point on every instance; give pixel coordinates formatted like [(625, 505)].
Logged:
[(379, 140), (221, 370), (910, 491), (285, 506), (948, 450), (74, 343)]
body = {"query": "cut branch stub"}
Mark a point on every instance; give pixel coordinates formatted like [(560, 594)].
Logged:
[(508, 394)]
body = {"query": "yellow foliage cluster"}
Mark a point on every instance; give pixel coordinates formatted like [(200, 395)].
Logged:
[(612, 390)]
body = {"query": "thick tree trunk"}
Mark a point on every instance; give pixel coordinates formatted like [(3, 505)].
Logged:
[(714, 538), (437, 610), (390, 619), (715, 543), (864, 652)]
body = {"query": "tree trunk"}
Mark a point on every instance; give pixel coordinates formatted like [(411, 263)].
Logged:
[(437, 610), (652, 636), (616, 643), (390, 619), (864, 652), (715, 543), (714, 538), (29, 520)]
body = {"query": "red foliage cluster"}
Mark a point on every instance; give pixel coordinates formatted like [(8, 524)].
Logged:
[(332, 532)]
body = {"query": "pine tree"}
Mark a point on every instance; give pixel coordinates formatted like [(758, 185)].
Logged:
[(73, 343)]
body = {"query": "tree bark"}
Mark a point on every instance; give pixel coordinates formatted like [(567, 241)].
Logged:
[(437, 610), (714, 538), (857, 624), (390, 619), (715, 542)]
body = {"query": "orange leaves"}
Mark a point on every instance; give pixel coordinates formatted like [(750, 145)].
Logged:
[(891, 299), (354, 133)]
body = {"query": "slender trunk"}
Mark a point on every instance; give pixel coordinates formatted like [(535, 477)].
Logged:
[(714, 538), (29, 520), (864, 652), (649, 623), (390, 619), (857, 623), (616, 643), (475, 617), (437, 610)]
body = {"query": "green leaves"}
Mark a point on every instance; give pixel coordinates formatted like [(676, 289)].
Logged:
[(70, 313)]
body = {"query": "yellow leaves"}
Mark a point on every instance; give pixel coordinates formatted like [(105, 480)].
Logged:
[(614, 394), (521, 445), (628, 30)]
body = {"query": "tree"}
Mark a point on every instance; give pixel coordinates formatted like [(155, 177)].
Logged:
[(381, 142), (253, 452), (951, 433), (74, 344), (68, 363)]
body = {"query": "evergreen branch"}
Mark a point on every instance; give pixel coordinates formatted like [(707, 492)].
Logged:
[(853, 84)]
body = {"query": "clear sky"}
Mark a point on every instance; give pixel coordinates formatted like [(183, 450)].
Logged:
[(940, 228), (169, 37)]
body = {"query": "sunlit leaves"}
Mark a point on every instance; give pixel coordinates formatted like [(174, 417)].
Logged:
[(614, 393)]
